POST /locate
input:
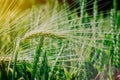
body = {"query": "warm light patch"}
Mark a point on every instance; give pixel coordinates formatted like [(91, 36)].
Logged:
[(20, 4)]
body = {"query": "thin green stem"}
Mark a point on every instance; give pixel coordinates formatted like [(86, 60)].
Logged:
[(15, 58), (37, 55), (95, 12)]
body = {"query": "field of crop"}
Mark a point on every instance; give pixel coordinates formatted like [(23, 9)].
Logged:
[(48, 41)]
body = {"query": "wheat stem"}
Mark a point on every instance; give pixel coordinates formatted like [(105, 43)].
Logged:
[(15, 57), (37, 55)]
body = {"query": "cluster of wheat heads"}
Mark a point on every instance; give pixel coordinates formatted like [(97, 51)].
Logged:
[(76, 44)]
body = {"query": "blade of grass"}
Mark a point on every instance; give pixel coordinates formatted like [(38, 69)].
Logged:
[(15, 57), (37, 55)]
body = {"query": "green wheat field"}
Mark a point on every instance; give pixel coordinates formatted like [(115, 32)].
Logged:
[(48, 41)]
